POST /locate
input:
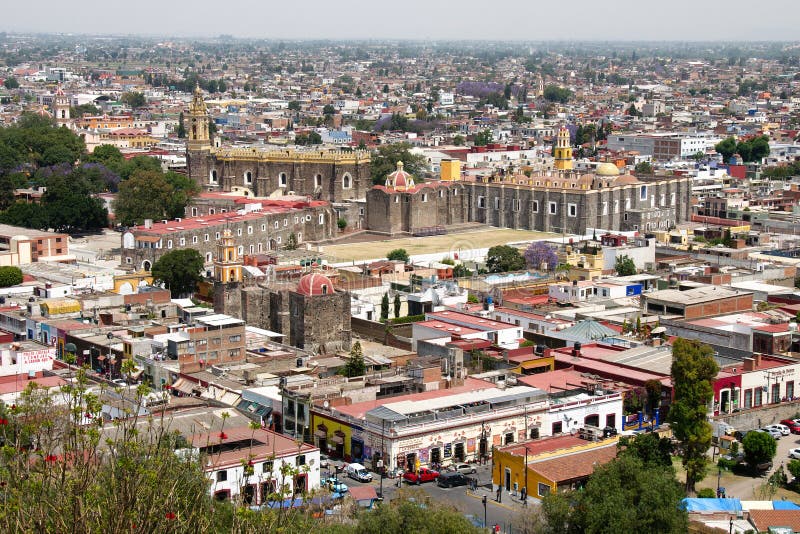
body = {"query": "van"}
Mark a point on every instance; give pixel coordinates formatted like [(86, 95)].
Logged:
[(358, 472)]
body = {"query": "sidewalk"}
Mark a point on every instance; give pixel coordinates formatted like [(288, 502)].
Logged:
[(509, 502)]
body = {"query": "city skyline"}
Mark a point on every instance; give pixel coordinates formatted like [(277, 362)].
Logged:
[(582, 21)]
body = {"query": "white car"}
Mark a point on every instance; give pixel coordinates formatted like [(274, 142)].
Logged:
[(772, 432), (466, 469), (783, 429), (794, 453)]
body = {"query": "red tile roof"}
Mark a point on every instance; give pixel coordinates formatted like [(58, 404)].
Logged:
[(575, 465), (763, 519)]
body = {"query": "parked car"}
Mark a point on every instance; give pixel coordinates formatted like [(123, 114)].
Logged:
[(335, 485), (794, 426), (783, 429), (452, 479), (324, 461), (395, 472), (463, 468), (358, 472), (423, 475), (775, 433)]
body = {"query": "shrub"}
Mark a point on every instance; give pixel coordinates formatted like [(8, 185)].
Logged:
[(10, 276), (706, 493)]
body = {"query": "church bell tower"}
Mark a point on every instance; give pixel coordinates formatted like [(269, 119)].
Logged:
[(198, 145), (563, 150), (227, 264)]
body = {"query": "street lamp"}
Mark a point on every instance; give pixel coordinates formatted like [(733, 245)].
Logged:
[(484, 511)]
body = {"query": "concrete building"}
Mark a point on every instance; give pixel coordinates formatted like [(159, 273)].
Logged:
[(695, 303), (20, 246)]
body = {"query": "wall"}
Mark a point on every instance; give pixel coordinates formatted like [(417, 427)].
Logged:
[(759, 417)]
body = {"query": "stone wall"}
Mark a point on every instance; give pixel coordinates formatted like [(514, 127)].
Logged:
[(320, 322), (762, 416)]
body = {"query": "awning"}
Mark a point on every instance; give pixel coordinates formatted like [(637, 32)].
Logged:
[(321, 434), (339, 440), (185, 386)]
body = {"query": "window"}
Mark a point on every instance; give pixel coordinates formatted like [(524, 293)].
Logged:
[(757, 397), (263, 227), (183, 241), (663, 200), (260, 247), (239, 232), (205, 238), (396, 199), (322, 218), (535, 206), (240, 250), (169, 243), (296, 219), (216, 236), (249, 230), (318, 180), (515, 204), (643, 193), (441, 193), (194, 239), (212, 178), (628, 203), (266, 467), (211, 211), (672, 199), (286, 222), (496, 203), (252, 249), (277, 225), (553, 208), (455, 192), (233, 353), (301, 460), (248, 177), (481, 202), (543, 489), (347, 182), (424, 197), (222, 476), (572, 210), (278, 240), (282, 179), (194, 212)]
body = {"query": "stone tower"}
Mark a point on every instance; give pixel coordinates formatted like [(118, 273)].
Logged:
[(563, 150), (61, 107), (198, 145)]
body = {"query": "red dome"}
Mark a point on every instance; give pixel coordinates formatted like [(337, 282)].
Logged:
[(315, 284)]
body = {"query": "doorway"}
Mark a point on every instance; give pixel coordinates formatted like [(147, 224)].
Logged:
[(458, 451), (507, 479), (436, 455)]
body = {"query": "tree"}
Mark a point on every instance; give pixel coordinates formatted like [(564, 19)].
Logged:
[(554, 93), (10, 276), (36, 142), (384, 161), (179, 270), (181, 131), (397, 304), (385, 88), (483, 138), (726, 148), (11, 83), (504, 258), (759, 448), (355, 362), (540, 255), (625, 266), (693, 370), (625, 495), (461, 270), (385, 308), (328, 109), (109, 156), (794, 468), (291, 242), (134, 99), (643, 167), (413, 511), (650, 448), (398, 254), (341, 223), (458, 140), (294, 105), (153, 195)]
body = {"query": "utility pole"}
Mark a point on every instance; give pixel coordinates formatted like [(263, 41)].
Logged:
[(484, 511), (382, 462)]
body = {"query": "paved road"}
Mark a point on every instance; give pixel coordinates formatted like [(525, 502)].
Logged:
[(468, 502)]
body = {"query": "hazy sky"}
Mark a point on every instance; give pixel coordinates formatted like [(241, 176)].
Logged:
[(613, 20)]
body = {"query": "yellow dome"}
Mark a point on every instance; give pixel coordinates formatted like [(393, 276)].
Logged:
[(607, 169)]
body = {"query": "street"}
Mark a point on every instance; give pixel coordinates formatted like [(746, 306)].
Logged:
[(461, 498)]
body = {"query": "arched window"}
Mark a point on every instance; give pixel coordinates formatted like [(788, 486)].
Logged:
[(248, 177), (282, 179), (347, 182), (212, 178), (318, 180)]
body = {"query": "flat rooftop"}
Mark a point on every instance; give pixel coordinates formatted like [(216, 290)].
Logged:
[(693, 296)]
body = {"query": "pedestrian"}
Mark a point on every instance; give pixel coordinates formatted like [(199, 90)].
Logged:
[(499, 494)]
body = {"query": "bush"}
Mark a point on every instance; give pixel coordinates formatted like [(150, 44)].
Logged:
[(398, 254), (342, 224), (727, 464), (10, 276), (407, 319), (706, 493)]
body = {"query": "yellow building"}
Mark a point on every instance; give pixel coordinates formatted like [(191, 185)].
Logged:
[(563, 150), (127, 284), (332, 436), (585, 263), (549, 465), (227, 264), (450, 170)]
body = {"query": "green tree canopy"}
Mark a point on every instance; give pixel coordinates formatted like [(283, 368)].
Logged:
[(554, 93), (625, 495), (355, 362), (10, 276), (625, 266), (483, 138), (36, 142), (385, 308), (153, 195), (179, 270), (504, 258), (759, 447), (412, 511), (649, 447), (643, 167), (693, 370), (398, 254), (11, 83), (134, 99), (385, 158), (726, 148), (108, 156)]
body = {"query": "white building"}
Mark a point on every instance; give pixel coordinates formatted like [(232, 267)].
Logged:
[(251, 463)]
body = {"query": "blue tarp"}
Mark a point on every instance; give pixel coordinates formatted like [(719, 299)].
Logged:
[(711, 505), (784, 505)]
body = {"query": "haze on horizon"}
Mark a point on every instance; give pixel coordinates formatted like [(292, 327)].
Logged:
[(517, 20)]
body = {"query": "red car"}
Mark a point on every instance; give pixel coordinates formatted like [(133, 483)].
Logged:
[(423, 475), (794, 426)]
